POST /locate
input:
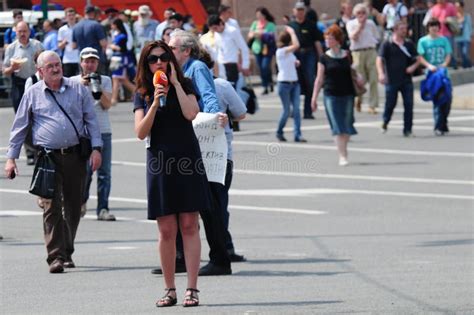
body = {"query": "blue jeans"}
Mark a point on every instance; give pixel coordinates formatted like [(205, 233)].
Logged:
[(464, 50), (440, 115), (264, 64), (391, 94), (307, 71), (453, 63), (104, 175), (290, 94)]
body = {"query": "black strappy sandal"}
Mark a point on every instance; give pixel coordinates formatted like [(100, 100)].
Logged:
[(167, 299), (191, 297)]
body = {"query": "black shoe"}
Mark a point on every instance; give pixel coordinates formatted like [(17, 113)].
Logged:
[(237, 258), (281, 138), (56, 266), (271, 87), (30, 160), (309, 117), (383, 128), (69, 264), (214, 270), (300, 139), (265, 92), (180, 268)]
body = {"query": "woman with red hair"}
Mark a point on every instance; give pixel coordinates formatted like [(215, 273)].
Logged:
[(334, 74)]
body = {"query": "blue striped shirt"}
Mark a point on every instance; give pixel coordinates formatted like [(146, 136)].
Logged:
[(50, 127)]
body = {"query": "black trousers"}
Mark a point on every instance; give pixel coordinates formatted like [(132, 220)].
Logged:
[(215, 231), (70, 69), (232, 73)]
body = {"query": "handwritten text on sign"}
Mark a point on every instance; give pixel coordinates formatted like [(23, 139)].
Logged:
[(213, 145)]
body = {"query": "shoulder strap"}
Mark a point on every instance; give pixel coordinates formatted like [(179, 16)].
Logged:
[(34, 78), (64, 112)]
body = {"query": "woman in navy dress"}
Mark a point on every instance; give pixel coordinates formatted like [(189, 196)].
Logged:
[(176, 179), (121, 65)]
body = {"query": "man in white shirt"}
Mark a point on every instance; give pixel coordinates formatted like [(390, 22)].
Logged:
[(229, 42), (225, 13), (70, 54), (393, 12), (363, 35), (161, 27)]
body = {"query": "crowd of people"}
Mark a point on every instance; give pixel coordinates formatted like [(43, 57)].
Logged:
[(64, 86)]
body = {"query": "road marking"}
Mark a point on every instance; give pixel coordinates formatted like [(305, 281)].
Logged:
[(317, 191), (332, 176), (358, 177), (354, 149), (122, 247), (144, 201), (19, 213)]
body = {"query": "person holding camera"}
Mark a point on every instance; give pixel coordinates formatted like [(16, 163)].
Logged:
[(60, 113), (101, 88)]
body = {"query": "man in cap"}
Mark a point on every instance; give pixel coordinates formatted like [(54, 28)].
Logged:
[(56, 135), (18, 63), (89, 63), (89, 33), (144, 28)]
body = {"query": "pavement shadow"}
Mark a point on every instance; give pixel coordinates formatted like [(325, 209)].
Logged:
[(277, 304), (296, 261), (447, 243), (270, 273)]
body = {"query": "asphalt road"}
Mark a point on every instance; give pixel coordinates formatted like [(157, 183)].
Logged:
[(392, 233)]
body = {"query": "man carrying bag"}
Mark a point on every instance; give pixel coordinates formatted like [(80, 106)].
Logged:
[(57, 131)]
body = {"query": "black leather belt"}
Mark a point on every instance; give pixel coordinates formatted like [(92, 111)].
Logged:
[(288, 82), (62, 151)]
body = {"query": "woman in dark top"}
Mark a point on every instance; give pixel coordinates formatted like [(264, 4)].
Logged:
[(176, 178), (334, 74), (121, 64)]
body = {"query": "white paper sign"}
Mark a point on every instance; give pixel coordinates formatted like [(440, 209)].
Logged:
[(213, 145)]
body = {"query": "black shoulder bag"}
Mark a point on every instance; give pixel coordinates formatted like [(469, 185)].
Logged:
[(85, 146)]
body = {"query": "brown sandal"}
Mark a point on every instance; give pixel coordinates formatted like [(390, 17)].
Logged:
[(167, 299), (191, 299)]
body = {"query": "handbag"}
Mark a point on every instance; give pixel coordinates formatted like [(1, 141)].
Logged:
[(115, 63), (252, 102), (358, 82), (85, 145), (43, 180)]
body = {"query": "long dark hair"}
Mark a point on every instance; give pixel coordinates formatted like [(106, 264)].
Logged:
[(144, 77), (264, 11), (119, 24)]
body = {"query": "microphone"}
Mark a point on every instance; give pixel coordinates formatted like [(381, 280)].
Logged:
[(160, 78)]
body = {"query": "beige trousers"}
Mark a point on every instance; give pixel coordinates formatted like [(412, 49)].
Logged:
[(364, 63)]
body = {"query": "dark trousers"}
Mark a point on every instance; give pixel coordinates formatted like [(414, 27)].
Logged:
[(17, 91), (70, 69), (224, 204), (391, 95), (440, 114), (306, 76), (215, 231), (62, 214), (232, 73)]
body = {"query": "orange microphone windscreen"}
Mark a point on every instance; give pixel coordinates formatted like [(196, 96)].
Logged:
[(160, 78)]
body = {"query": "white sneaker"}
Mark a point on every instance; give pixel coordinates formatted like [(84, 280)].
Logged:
[(343, 161), (104, 215)]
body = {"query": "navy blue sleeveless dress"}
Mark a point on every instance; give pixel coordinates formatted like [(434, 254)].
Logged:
[(176, 178)]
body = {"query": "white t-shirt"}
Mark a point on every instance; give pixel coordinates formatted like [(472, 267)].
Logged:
[(70, 55), (394, 13), (286, 62), (102, 114)]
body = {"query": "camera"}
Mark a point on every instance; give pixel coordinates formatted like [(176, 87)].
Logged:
[(94, 79)]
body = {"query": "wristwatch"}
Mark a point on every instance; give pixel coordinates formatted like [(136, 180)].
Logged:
[(97, 149)]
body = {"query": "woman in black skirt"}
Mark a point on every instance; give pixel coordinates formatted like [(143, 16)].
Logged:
[(176, 178)]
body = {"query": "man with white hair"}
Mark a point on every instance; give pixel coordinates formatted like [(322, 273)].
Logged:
[(57, 135), (144, 28), (363, 35)]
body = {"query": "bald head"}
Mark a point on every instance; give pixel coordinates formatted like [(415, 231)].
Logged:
[(22, 32)]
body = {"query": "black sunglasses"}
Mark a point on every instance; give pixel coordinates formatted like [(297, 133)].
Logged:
[(164, 57)]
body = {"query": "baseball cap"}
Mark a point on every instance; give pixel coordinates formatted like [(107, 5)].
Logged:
[(300, 5), (89, 52)]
